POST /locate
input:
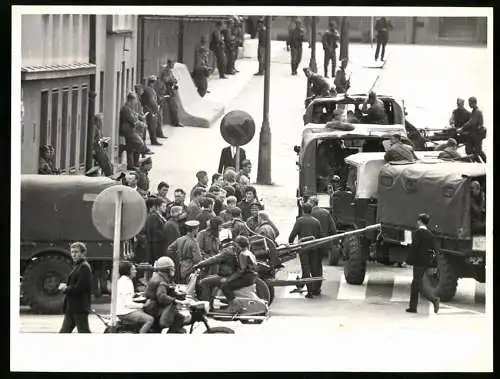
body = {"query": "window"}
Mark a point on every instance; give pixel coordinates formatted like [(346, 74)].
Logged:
[(44, 117), (458, 27), (64, 128), (101, 92), (83, 125), (54, 118), (74, 126)]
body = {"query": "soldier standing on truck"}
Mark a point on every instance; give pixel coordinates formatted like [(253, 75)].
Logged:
[(342, 82), (420, 257), (460, 115), (310, 260), (296, 36), (330, 40), (473, 131)]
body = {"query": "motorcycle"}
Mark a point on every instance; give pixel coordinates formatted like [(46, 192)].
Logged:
[(253, 309), (193, 311)]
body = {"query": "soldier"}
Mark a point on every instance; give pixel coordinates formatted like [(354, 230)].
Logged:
[(261, 50), (399, 151), (229, 46), (296, 36), (473, 131), (149, 101), (172, 85), (161, 96), (200, 72), (239, 36), (342, 83), (145, 165), (375, 113), (329, 40), (450, 152), (382, 27), (319, 85), (217, 46), (460, 115)]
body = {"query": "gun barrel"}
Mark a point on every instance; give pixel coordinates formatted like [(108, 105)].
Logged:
[(324, 240)]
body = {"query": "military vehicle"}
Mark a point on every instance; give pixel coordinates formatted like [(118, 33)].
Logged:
[(56, 210)]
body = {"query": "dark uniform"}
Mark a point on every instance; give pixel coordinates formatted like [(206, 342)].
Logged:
[(459, 117), (382, 27), (342, 83), (261, 50), (420, 257), (296, 36), (217, 46), (134, 143), (149, 101), (161, 91), (200, 72), (329, 40), (319, 85), (310, 260), (327, 224), (471, 134), (155, 237), (229, 47), (171, 89), (142, 182)]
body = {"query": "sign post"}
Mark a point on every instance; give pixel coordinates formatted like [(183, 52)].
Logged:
[(111, 206), (237, 128)]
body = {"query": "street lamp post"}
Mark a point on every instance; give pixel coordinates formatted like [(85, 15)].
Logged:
[(264, 163), (312, 61)]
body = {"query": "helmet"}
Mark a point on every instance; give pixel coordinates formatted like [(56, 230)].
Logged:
[(164, 263), (225, 234)]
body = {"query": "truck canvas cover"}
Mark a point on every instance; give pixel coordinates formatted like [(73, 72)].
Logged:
[(59, 207), (441, 189)]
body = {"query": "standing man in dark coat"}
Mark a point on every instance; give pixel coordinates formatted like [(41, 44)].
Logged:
[(296, 36), (155, 234), (217, 46), (171, 227), (325, 219), (420, 257), (310, 260), (473, 131), (149, 101), (229, 46), (261, 50), (460, 115), (382, 27), (200, 72), (78, 292), (161, 97), (172, 85), (330, 40), (228, 158)]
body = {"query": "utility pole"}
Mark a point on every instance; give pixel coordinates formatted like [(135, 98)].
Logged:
[(89, 159), (264, 163), (312, 62)]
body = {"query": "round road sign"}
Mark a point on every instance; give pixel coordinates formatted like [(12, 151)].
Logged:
[(237, 128), (133, 212)]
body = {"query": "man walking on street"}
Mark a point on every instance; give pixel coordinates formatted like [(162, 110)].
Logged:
[(330, 40), (420, 257), (473, 131), (217, 46), (296, 36), (200, 72), (310, 260), (382, 27), (261, 50), (78, 292)]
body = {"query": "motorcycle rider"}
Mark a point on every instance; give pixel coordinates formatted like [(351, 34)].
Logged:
[(160, 293)]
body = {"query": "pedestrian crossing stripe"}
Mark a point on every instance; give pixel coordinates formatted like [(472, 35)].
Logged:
[(382, 286)]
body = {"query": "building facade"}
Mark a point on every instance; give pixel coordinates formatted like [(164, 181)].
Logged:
[(55, 79), (116, 71)]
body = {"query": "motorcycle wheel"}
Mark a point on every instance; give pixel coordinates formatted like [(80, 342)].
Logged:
[(219, 330)]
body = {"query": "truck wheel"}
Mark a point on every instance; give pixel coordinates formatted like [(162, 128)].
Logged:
[(219, 330), (41, 280), (263, 291), (442, 280), (334, 255), (355, 264)]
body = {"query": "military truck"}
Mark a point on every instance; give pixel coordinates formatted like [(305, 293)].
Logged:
[(56, 210), (443, 190)]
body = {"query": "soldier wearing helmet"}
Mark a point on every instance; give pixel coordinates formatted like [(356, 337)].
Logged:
[(161, 295)]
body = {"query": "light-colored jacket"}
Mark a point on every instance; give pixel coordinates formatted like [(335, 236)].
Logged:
[(125, 303)]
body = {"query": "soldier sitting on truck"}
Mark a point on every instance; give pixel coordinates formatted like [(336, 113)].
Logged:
[(375, 114), (449, 151), (478, 208), (399, 151), (329, 161)]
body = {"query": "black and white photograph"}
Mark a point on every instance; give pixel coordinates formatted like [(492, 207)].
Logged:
[(310, 180)]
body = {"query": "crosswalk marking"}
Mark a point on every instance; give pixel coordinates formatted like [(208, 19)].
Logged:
[(352, 292)]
